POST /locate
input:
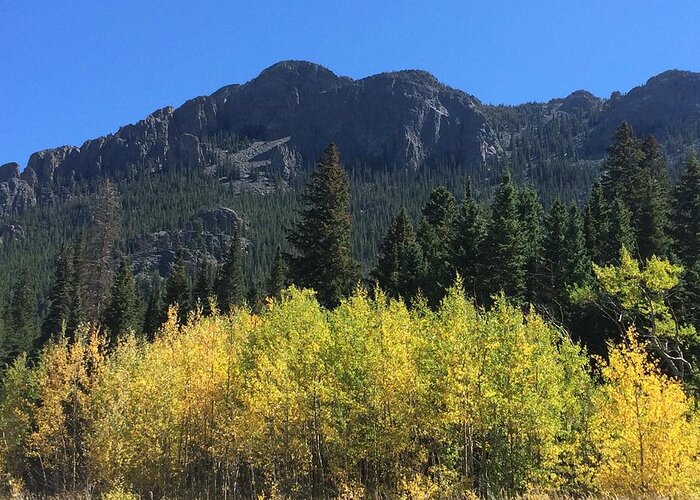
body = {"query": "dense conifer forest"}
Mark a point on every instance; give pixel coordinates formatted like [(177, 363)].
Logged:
[(369, 332)]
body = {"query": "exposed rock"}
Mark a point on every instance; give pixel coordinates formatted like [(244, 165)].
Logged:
[(44, 163), (207, 236), (16, 197), (29, 176), (668, 101), (407, 119), (9, 171)]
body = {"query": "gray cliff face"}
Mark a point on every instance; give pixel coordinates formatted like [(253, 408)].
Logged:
[(405, 119), (292, 110), (16, 195), (207, 236), (667, 101)]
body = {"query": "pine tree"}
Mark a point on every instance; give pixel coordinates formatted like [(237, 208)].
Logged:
[(230, 285), (400, 264), (177, 289), (620, 232), (556, 249), (686, 213), (532, 224), (505, 255), (61, 299), (596, 225), (622, 165), (122, 312), (155, 314), (22, 316), (578, 263), (435, 237), (469, 233), (651, 221), (277, 280), (322, 258), (204, 287), (77, 314), (105, 232)]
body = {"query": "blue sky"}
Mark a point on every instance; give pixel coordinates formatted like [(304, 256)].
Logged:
[(72, 70)]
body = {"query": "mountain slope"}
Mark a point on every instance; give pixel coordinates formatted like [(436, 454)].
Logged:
[(405, 119)]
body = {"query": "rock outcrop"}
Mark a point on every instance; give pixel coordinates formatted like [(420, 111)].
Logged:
[(207, 236)]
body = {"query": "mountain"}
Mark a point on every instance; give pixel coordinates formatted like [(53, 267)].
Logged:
[(400, 134), (404, 119)]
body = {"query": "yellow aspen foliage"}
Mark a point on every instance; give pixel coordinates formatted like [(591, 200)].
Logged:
[(644, 429), (46, 424), (376, 387)]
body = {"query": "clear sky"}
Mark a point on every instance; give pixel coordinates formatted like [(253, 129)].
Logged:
[(71, 70)]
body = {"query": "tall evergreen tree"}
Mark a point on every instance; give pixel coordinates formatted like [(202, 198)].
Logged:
[(277, 280), (122, 313), (230, 284), (597, 225), (686, 213), (436, 237), (654, 204), (203, 291), (578, 263), (22, 316), (400, 265), (621, 167), (321, 239), (177, 288), (505, 255), (620, 231), (555, 259), (105, 232), (532, 224), (155, 311), (469, 233), (61, 298)]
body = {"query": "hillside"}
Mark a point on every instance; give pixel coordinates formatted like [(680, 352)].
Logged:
[(248, 148)]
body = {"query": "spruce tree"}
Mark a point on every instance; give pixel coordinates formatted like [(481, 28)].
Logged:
[(436, 238), (686, 213), (532, 224), (177, 289), (322, 238), (203, 291), (155, 314), (22, 316), (77, 314), (621, 167), (620, 232), (651, 221), (555, 253), (400, 264), (596, 225), (104, 234), (230, 285), (277, 280), (469, 233), (122, 312), (578, 263), (61, 298), (505, 255)]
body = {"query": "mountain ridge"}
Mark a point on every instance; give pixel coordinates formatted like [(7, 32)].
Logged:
[(401, 119)]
